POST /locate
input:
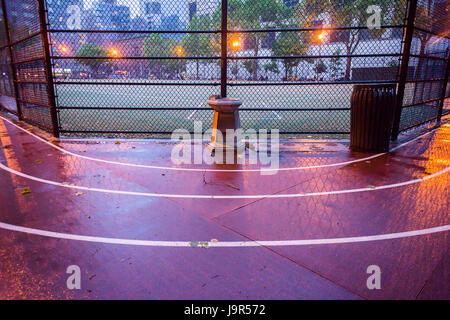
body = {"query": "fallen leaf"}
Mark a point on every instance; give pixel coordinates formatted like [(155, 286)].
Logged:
[(232, 186), (117, 142), (204, 244), (38, 160), (26, 191), (193, 244)]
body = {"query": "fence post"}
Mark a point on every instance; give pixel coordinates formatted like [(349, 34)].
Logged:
[(224, 50), (48, 67), (11, 60), (444, 89), (404, 67)]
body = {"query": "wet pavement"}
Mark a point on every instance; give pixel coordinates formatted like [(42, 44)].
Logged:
[(330, 192)]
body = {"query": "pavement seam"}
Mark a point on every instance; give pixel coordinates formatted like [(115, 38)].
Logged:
[(291, 260), (431, 274)]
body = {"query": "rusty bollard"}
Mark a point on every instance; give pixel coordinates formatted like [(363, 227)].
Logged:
[(226, 116)]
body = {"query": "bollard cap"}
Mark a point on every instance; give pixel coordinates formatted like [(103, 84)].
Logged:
[(224, 104)]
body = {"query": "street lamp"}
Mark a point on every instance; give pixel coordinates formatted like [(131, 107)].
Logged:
[(114, 52), (63, 49), (179, 51), (236, 45), (320, 38)]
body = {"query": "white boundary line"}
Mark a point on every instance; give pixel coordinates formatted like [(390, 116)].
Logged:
[(228, 244), (214, 170), (192, 113), (194, 196)]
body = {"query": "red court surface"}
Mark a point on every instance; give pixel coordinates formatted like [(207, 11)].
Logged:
[(130, 219)]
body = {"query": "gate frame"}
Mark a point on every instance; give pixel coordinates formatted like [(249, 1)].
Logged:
[(11, 60)]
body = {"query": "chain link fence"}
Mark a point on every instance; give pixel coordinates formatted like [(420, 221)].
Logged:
[(139, 67)]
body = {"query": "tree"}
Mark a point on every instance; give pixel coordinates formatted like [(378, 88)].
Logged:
[(349, 13), (394, 63), (250, 67), (196, 44), (320, 68), (336, 64), (158, 46), (235, 69), (271, 67), (254, 14), (91, 50), (290, 44)]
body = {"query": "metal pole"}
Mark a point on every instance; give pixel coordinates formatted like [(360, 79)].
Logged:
[(224, 50), (404, 67), (444, 89), (11, 61), (48, 67)]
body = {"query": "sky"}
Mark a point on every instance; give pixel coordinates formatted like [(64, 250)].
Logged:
[(133, 4)]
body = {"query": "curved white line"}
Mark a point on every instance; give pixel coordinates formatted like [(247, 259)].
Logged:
[(213, 170), (194, 196), (228, 244)]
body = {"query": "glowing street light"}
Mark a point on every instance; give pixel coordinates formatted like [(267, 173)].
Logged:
[(114, 52), (235, 42), (63, 49), (235, 45), (321, 36), (179, 51)]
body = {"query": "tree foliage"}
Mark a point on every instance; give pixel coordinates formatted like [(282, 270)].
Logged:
[(290, 44), (197, 44), (254, 14), (336, 64), (91, 50), (158, 46), (349, 13)]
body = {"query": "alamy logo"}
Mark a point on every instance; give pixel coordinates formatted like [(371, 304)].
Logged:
[(374, 281), (374, 20), (74, 20), (74, 280)]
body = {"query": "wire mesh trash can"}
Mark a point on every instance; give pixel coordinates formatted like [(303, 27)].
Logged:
[(372, 114)]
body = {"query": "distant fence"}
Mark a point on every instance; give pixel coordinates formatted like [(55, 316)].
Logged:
[(142, 67)]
